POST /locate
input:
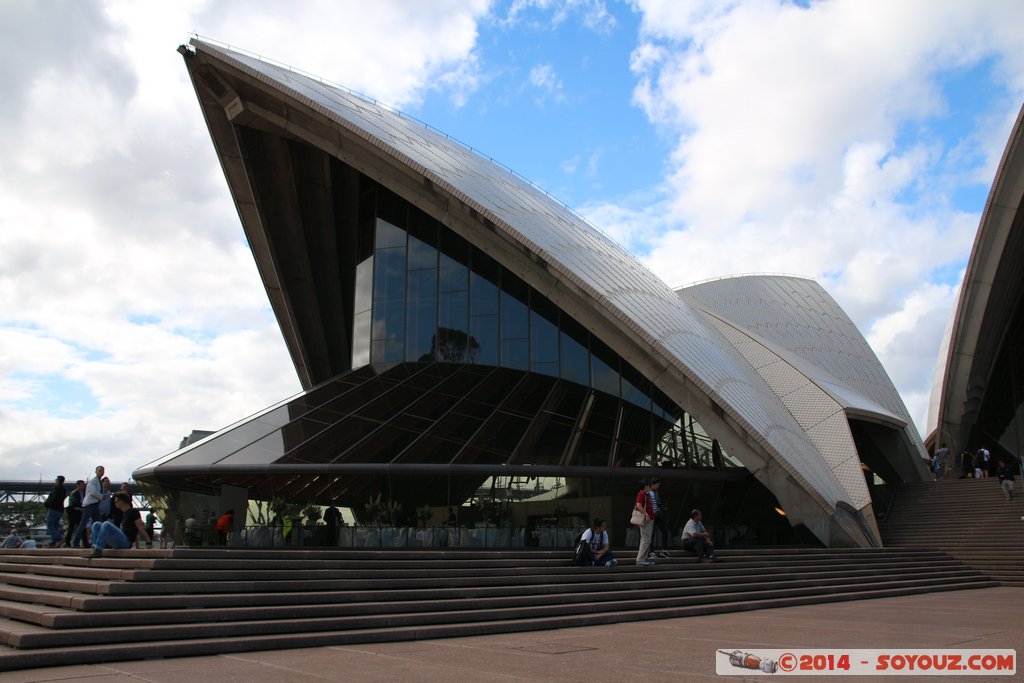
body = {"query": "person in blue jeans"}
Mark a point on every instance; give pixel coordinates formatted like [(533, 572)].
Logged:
[(109, 535), (55, 512), (90, 508)]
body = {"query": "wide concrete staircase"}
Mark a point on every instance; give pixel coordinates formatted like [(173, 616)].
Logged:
[(967, 518), (61, 607)]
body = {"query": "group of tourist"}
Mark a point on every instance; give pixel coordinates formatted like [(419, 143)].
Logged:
[(96, 517), (695, 537), (979, 465), (592, 546)]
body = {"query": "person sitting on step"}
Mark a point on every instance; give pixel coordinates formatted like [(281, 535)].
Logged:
[(107, 533), (596, 550), (697, 539)]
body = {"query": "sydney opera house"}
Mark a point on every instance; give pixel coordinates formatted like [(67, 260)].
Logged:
[(474, 355), (978, 393)]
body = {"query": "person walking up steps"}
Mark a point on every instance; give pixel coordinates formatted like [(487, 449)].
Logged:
[(643, 504)]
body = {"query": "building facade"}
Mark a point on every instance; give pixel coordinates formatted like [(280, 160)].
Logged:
[(475, 355), (978, 392)]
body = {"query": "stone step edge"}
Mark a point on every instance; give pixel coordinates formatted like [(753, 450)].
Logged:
[(478, 617), (67, 618)]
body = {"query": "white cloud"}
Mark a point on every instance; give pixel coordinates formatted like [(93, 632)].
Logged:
[(543, 78), (804, 146), (131, 311), (594, 13)]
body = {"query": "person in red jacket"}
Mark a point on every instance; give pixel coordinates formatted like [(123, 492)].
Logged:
[(643, 504), (223, 527)]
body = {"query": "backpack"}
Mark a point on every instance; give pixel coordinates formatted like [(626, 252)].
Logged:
[(580, 552)]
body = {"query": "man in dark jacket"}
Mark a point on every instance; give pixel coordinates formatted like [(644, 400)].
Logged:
[(54, 511), (74, 510)]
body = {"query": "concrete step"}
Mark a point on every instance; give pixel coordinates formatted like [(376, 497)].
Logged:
[(63, 604), (13, 659), (394, 602)]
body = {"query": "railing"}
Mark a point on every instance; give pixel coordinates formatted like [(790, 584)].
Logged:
[(321, 536)]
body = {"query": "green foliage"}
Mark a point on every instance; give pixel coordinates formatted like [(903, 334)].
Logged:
[(21, 515)]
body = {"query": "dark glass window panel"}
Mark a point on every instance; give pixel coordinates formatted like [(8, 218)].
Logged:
[(422, 227), (515, 353), (361, 339), (515, 287), (412, 423), (574, 360), (666, 407), (350, 401), (484, 332), (550, 445), (389, 404), (453, 311), (326, 414), (391, 208), (364, 286), (493, 389), (263, 452), (483, 296), (384, 445), (457, 384), (209, 451), (421, 321), (329, 391), (636, 428), (388, 302), (429, 407), (248, 432), (422, 256), (431, 450), (472, 455), (299, 431), (282, 415), (387, 350), (426, 380), (601, 415), (569, 400), (543, 341), (592, 449), (454, 276), (505, 432), (457, 427), (515, 318), (635, 395), (329, 446), (602, 377), (453, 345), (529, 395), (545, 368), (389, 276), (486, 266), (364, 239), (454, 246), (474, 408)]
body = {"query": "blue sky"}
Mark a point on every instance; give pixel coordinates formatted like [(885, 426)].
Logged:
[(852, 141)]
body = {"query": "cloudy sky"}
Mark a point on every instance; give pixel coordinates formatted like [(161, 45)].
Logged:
[(851, 141)]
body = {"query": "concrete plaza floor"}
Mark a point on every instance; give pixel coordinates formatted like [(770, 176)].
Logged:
[(656, 650)]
